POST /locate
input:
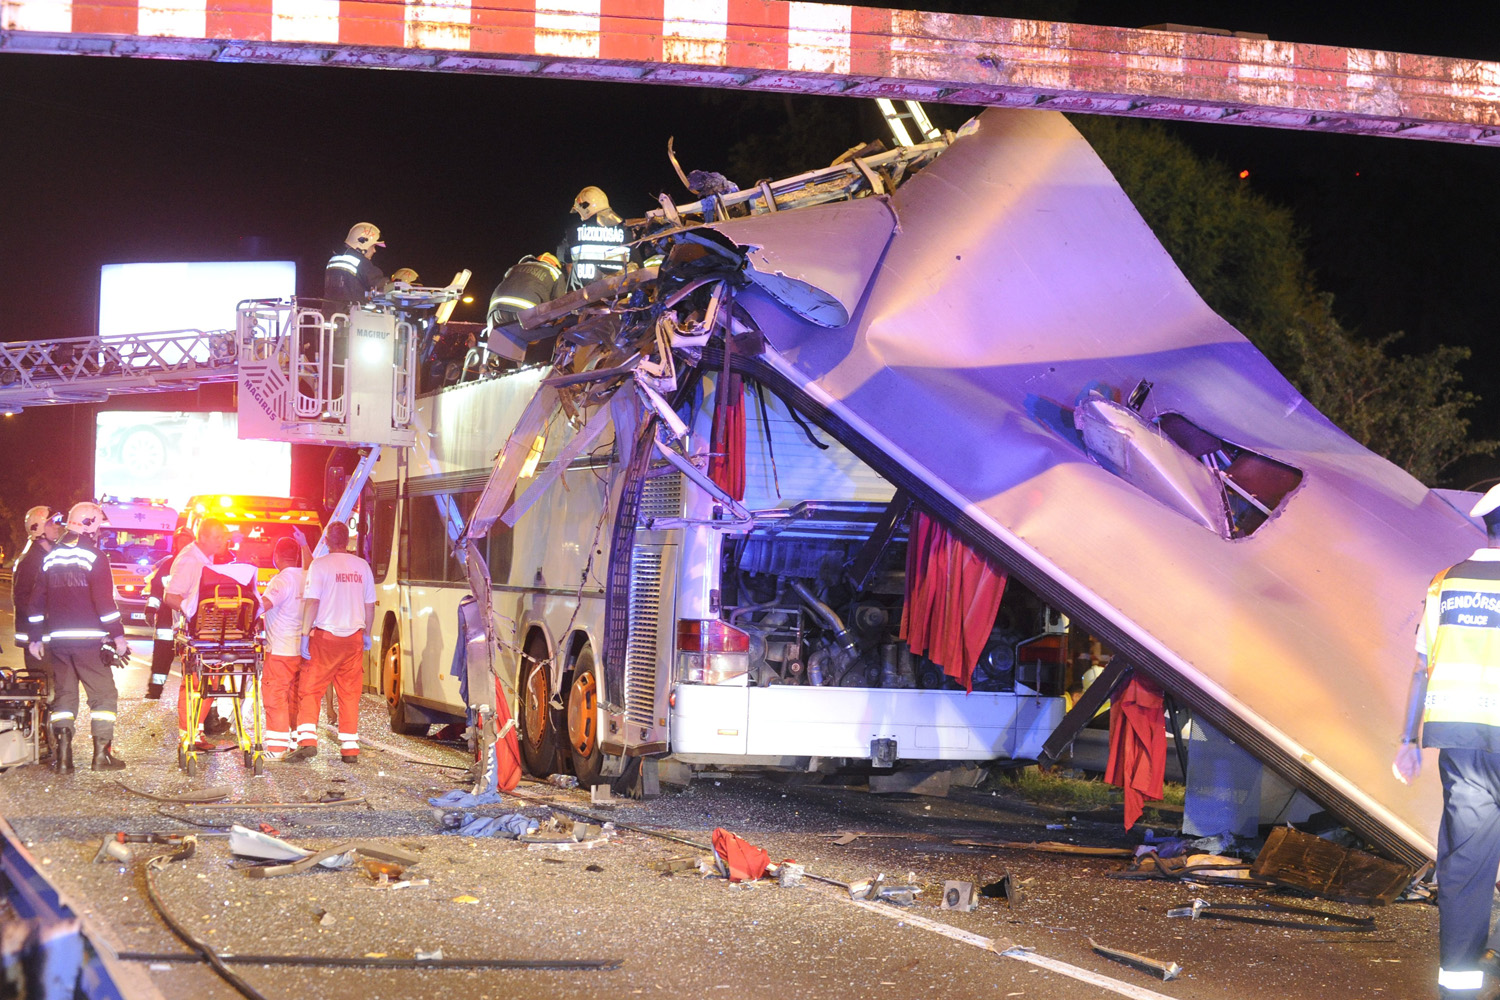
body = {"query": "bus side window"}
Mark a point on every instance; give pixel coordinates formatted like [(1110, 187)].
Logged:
[(499, 554), (455, 572), (382, 529), (428, 541)]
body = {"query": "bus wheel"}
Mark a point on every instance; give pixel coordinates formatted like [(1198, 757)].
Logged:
[(390, 682), (537, 720), (583, 720)]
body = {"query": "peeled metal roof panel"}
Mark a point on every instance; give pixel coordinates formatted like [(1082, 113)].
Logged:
[(1021, 279)]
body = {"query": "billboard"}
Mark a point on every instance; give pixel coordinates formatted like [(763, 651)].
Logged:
[(149, 298), (171, 456)]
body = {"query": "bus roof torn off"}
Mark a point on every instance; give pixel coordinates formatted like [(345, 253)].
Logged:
[(974, 335)]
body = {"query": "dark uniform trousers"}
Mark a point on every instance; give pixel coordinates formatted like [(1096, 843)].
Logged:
[(81, 662), (1468, 856)]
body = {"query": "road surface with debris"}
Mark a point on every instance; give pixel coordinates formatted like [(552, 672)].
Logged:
[(666, 934)]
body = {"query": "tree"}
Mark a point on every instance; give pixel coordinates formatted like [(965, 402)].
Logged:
[(1246, 257)]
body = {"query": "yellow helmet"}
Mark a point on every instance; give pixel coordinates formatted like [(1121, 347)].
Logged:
[(86, 518), (364, 237), (36, 519), (405, 274), (590, 202)]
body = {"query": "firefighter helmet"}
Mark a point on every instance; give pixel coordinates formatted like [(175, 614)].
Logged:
[(86, 517), (405, 274), (36, 519), (592, 202), (364, 237)]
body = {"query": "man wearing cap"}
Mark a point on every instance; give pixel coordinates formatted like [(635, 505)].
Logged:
[(43, 529), (1454, 707)]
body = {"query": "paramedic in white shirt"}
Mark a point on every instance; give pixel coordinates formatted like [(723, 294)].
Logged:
[(181, 595), (337, 617), (282, 606)]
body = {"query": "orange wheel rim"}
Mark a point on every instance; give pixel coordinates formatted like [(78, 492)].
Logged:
[(534, 708), (393, 675), (583, 718)]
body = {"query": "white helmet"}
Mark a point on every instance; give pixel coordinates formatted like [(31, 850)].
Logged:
[(591, 202), (86, 518), (36, 519), (364, 237)]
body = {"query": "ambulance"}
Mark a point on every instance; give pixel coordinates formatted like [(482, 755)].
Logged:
[(137, 534), (255, 524)]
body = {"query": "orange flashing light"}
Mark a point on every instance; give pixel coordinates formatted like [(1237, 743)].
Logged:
[(1244, 175)]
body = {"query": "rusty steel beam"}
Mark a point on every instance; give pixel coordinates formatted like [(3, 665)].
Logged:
[(807, 48)]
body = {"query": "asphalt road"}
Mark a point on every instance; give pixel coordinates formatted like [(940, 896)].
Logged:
[(677, 935)]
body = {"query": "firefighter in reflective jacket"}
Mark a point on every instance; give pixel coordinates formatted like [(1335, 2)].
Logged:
[(349, 276), (73, 614), (1455, 708), (532, 281), (597, 246), (163, 646), (43, 528)]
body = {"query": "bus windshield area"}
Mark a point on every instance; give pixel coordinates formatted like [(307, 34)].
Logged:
[(254, 543), (124, 545)]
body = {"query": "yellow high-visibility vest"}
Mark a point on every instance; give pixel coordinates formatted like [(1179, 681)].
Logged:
[(1461, 629)]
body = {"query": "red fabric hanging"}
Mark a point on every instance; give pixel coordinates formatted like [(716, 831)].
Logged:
[(952, 597), (743, 861), (726, 460), (1137, 745), (507, 748)]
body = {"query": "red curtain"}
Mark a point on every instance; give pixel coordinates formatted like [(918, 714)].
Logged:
[(726, 460), (952, 597), (1137, 745)]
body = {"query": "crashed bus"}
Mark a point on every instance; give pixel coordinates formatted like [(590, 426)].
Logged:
[(981, 339)]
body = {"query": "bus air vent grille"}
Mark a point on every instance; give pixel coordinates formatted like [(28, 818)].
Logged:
[(661, 496), (645, 627)]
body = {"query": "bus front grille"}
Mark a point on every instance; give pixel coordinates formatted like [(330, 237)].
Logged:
[(642, 646)]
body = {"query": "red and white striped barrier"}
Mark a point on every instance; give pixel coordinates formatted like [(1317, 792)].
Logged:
[(805, 48)]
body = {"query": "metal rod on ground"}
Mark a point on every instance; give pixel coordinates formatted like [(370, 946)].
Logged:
[(523, 964)]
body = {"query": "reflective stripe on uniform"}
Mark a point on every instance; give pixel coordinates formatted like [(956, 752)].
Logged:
[(345, 262), (104, 716), (106, 619), (64, 556), (164, 633), (77, 633), (1471, 980), (158, 678), (1461, 626), (61, 716), (37, 618), (153, 602), (513, 302), (22, 638)]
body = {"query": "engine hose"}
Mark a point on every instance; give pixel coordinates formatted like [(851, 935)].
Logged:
[(828, 615)]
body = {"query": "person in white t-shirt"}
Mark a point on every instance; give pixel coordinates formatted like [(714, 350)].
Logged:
[(338, 614), (181, 595), (282, 605)]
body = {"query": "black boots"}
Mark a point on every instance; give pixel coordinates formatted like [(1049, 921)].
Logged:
[(62, 751), (103, 759)]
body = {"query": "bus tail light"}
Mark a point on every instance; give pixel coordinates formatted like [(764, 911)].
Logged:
[(710, 651)]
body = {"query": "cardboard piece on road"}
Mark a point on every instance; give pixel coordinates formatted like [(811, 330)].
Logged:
[(1301, 861)]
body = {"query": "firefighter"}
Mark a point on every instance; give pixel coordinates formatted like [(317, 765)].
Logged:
[(403, 275), (163, 645), (72, 611), (337, 617), (43, 529), (1454, 707), (529, 282), (597, 246), (349, 275), (282, 607)]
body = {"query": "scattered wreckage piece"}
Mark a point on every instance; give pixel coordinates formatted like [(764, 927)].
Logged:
[(1051, 847), (1156, 967), (1245, 913), (1205, 869), (959, 896), (189, 797), (1302, 861)]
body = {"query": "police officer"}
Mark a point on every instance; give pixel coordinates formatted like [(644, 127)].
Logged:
[(73, 612), (597, 246), (1455, 707), (164, 645), (43, 528), (349, 276)]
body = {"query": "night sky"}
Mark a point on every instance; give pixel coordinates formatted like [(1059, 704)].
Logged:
[(112, 160)]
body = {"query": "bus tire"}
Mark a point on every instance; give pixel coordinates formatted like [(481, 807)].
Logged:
[(536, 719), (390, 684), (583, 720)]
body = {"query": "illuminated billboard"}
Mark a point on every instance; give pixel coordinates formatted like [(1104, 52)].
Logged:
[(171, 456), (151, 298)]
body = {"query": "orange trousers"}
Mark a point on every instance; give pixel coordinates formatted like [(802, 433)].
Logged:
[(336, 660), (278, 690)]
